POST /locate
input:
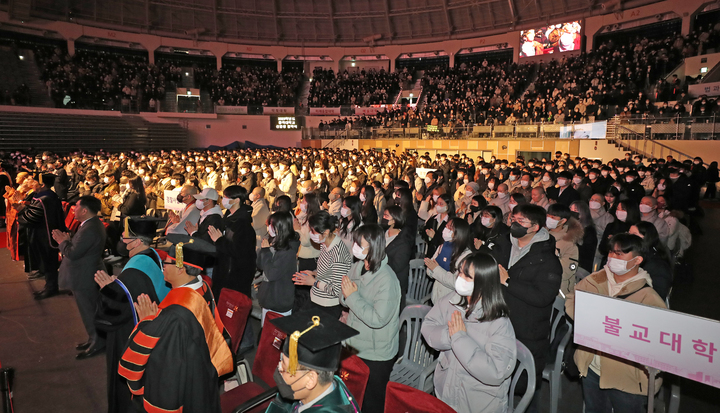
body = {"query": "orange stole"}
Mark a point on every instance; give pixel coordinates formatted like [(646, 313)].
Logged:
[(192, 300)]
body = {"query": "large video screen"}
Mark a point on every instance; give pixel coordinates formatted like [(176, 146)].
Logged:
[(556, 38)]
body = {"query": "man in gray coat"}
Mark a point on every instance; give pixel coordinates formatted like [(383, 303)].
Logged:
[(82, 258)]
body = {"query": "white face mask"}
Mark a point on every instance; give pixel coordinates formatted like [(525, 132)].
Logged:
[(345, 212), (561, 182), (200, 204), (362, 198), (546, 178), (464, 287), (428, 181), (604, 173), (208, 170), (594, 205), (618, 266), (502, 195), (316, 238), (485, 221), (551, 223), (358, 252), (441, 209), (227, 203), (621, 215), (512, 178), (524, 184), (271, 231), (577, 180), (106, 179), (447, 234), (173, 182), (512, 205), (592, 176), (645, 209), (661, 187), (387, 181), (491, 186), (629, 179)]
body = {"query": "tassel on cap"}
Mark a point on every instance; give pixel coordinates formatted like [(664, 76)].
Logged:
[(294, 338), (179, 253)]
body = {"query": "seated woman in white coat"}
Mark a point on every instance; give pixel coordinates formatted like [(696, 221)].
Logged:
[(443, 267), (476, 340)]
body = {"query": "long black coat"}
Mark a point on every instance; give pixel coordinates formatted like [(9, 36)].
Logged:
[(236, 258), (534, 283), (399, 253)]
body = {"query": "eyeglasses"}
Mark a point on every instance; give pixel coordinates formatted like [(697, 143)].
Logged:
[(281, 370)]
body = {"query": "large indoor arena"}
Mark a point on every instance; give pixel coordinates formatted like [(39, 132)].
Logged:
[(369, 206)]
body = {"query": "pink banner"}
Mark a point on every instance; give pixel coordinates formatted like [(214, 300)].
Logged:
[(278, 111), (325, 111), (371, 111)]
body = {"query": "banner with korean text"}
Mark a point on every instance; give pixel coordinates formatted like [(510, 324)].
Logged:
[(171, 202), (678, 343), (325, 111), (231, 110), (269, 110)]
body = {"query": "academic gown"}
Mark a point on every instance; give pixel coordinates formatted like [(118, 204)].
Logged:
[(115, 317), (335, 402), (174, 358)]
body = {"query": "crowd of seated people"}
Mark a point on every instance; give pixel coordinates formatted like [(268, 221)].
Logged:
[(247, 85), (339, 214), (361, 88)]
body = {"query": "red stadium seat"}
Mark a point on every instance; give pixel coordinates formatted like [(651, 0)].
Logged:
[(234, 308), (402, 398), (355, 374)]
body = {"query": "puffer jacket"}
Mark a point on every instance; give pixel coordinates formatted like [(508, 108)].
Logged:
[(615, 373), (374, 312), (444, 280), (474, 368)]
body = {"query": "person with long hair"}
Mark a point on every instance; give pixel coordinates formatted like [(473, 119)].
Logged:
[(588, 245), (235, 261), (334, 262), (626, 215), (398, 247), (443, 266), (351, 219), (403, 198), (471, 329), (656, 258), (371, 291), (488, 228), (277, 260), (712, 177), (367, 205), (435, 224)]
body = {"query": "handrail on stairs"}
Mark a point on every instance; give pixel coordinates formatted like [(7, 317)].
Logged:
[(645, 140)]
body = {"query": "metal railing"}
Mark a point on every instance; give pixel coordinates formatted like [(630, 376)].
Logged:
[(675, 128)]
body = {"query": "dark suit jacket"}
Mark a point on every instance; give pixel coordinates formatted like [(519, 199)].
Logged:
[(567, 197), (82, 256)]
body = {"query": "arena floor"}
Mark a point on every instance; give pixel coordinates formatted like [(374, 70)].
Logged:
[(38, 339)]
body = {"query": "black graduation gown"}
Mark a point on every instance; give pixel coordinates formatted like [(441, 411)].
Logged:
[(115, 317)]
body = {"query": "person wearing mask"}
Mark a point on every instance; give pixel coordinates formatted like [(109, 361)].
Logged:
[(235, 262), (351, 219), (367, 209), (471, 330), (260, 213), (656, 258), (663, 188), (443, 265), (287, 180), (490, 192), (277, 260), (502, 199), (547, 181), (624, 383), (176, 221), (646, 179), (488, 228), (398, 247), (309, 251), (600, 216), (379, 202), (213, 179), (681, 196), (247, 178), (567, 232), (626, 215), (210, 215), (539, 198), (588, 245), (432, 232), (109, 190), (514, 200), (524, 187), (532, 274), (477, 203), (429, 184), (563, 192), (598, 182), (579, 183), (648, 213), (633, 189), (333, 263), (270, 185), (427, 206), (335, 199), (371, 292)]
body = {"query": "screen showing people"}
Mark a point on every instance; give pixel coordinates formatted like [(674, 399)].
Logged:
[(556, 38)]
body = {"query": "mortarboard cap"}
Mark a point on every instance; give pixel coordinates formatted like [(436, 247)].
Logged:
[(190, 251), (136, 226), (314, 339)]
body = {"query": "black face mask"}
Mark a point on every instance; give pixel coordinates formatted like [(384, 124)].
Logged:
[(517, 230), (180, 198), (475, 208), (122, 249), (286, 391), (384, 224)]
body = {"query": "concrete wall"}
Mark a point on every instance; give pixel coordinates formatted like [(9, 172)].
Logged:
[(599, 149), (694, 64)]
